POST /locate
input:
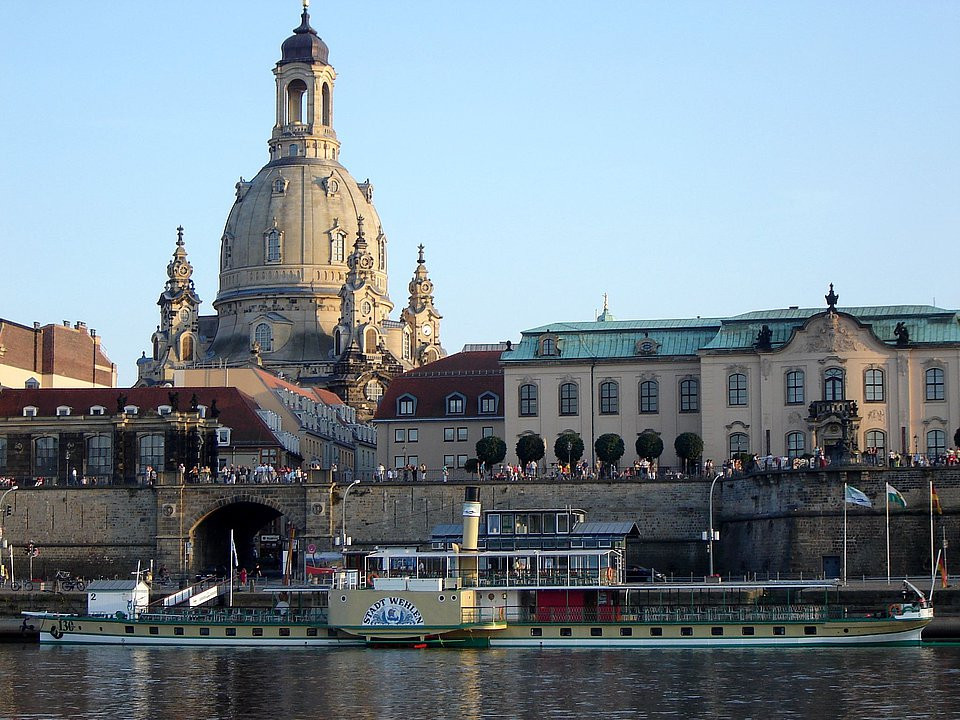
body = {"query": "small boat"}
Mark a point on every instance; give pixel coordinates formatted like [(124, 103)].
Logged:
[(463, 597)]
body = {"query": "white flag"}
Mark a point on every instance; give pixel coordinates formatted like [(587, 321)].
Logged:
[(233, 551), (852, 495)]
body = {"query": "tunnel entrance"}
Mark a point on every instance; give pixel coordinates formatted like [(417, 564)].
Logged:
[(259, 533)]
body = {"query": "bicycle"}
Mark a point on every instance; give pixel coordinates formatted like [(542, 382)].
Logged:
[(22, 585), (67, 582)]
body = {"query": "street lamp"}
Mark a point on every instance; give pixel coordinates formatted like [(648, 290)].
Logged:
[(3, 517), (569, 458), (711, 535), (343, 511)]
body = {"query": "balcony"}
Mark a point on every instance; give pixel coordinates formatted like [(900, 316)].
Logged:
[(820, 410)]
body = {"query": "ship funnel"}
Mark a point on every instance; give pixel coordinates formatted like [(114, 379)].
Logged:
[(471, 518)]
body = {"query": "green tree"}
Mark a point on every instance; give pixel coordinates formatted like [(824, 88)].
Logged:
[(956, 438), (649, 445), (571, 454), (609, 448), (530, 448), (491, 450), (472, 466), (689, 446)]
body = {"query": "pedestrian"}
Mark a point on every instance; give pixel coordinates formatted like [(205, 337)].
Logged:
[(243, 577)]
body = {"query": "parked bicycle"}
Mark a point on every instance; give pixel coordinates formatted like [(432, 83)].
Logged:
[(67, 582), (22, 585)]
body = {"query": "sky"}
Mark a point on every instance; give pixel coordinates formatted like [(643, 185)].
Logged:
[(686, 158)]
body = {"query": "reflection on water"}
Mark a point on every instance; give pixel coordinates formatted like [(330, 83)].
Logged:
[(161, 683)]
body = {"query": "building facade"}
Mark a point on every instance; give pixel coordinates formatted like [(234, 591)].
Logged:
[(849, 382), (51, 356), (303, 263), (434, 415)]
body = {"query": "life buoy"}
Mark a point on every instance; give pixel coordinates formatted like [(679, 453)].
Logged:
[(895, 609), (611, 574), (56, 632)]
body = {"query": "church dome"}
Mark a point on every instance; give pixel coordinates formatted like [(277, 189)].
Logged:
[(304, 45)]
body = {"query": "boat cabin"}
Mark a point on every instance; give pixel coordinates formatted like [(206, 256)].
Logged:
[(112, 597)]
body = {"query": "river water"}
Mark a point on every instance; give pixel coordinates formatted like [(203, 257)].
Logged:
[(140, 682)]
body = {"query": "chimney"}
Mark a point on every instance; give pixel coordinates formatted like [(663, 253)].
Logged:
[(471, 517), (66, 323), (93, 333), (36, 325)]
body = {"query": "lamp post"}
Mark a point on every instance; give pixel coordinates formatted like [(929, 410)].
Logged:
[(343, 512), (710, 531), (3, 517), (569, 459)]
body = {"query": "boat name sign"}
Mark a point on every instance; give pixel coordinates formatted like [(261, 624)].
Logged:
[(393, 611)]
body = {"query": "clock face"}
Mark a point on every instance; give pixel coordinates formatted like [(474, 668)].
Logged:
[(426, 286), (426, 330), (182, 270), (366, 261)]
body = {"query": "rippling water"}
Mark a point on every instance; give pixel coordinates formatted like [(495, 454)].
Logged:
[(128, 682)]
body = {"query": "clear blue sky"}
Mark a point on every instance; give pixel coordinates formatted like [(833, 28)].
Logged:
[(688, 158)]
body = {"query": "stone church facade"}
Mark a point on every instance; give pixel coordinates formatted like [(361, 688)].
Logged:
[(303, 263)]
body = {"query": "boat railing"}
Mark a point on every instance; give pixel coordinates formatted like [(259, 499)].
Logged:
[(478, 615), (237, 615), (674, 614)]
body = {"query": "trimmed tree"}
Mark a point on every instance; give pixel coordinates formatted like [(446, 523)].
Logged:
[(956, 438), (530, 448), (649, 445), (689, 446), (472, 466), (568, 447), (491, 450), (609, 447)]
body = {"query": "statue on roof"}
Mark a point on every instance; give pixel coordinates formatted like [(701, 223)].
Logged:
[(832, 299), (764, 337), (902, 334)]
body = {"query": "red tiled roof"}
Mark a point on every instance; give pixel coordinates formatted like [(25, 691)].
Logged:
[(322, 394), (469, 373), (238, 411)]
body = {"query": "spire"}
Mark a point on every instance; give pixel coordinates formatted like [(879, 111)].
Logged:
[(832, 299), (606, 315)]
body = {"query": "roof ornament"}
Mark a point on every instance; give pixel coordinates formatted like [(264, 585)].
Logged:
[(832, 298), (180, 236), (420, 259), (305, 21)]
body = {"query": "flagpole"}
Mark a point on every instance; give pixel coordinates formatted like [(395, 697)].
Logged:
[(844, 533), (886, 494), (230, 553), (933, 568)]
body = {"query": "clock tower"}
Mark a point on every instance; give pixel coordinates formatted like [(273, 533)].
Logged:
[(421, 317)]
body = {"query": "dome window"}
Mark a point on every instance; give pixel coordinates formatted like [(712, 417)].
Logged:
[(272, 241), (263, 336), (338, 246), (325, 92), (279, 185)]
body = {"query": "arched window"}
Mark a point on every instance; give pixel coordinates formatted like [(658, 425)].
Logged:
[(149, 453), (737, 389), (833, 385), (382, 253), (263, 335), (936, 444), (569, 400), (796, 444), (186, 348), (609, 398), (548, 346), (528, 400), (226, 252), (338, 247), (374, 391), (877, 439), (370, 340), (738, 443), (337, 341), (873, 385), (933, 384), (100, 455), (294, 150), (325, 100), (272, 245), (794, 381), (689, 395), (649, 396), (156, 348), (406, 344), (45, 457), (296, 102)]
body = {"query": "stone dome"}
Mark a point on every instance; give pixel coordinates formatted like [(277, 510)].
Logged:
[(304, 45)]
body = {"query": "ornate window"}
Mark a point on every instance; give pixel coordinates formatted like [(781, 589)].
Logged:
[(406, 344), (382, 252), (933, 384), (296, 101), (548, 346), (873, 385), (833, 385), (609, 398), (186, 348), (794, 381), (488, 403), (374, 391), (738, 442), (796, 444), (325, 104), (528, 400), (272, 239), (150, 452), (263, 335), (46, 461), (455, 404), (226, 251), (737, 389), (649, 396), (689, 395), (338, 243), (406, 405), (100, 455), (877, 439), (936, 443), (569, 399)]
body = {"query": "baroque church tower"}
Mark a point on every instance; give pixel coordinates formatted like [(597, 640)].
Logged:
[(303, 258)]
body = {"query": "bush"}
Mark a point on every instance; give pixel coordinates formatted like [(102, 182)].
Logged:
[(689, 446), (491, 450), (530, 448), (576, 447), (649, 445)]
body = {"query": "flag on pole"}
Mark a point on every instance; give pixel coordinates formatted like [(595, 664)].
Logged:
[(942, 569), (894, 497), (854, 496), (935, 500), (233, 551)]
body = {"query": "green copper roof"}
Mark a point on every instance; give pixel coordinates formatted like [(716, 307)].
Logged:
[(611, 339)]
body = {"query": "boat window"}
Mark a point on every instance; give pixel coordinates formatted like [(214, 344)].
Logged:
[(563, 523), (521, 524), (716, 631), (603, 543), (311, 632), (686, 631), (566, 632), (779, 630), (654, 631), (331, 632), (128, 629), (284, 632), (746, 630), (809, 629), (230, 632), (626, 632), (493, 524), (258, 632), (596, 632), (549, 524), (154, 630), (507, 524), (204, 631), (536, 524), (536, 632), (178, 631)]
